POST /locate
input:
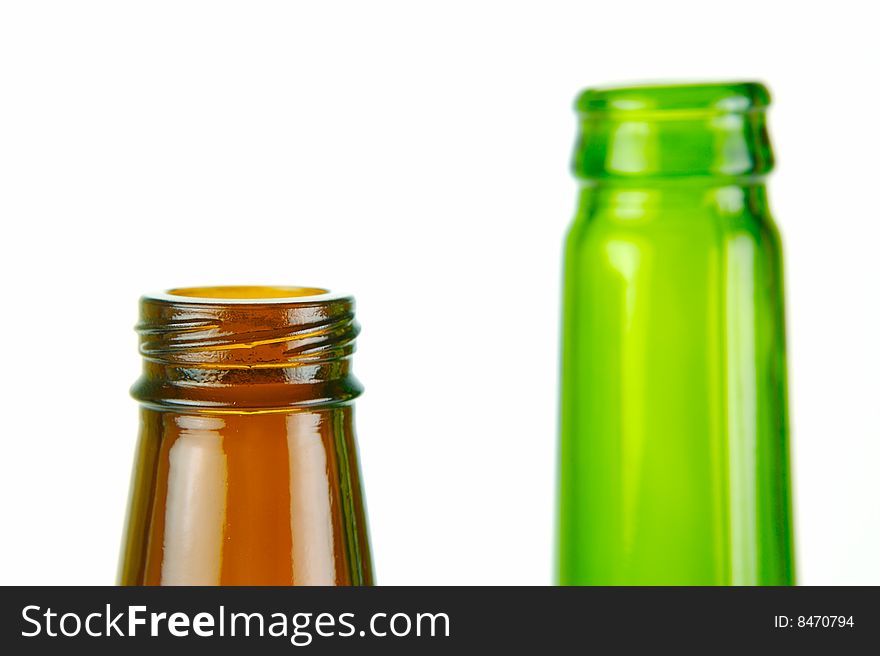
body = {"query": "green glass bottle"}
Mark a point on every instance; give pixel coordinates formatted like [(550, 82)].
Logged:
[(674, 431)]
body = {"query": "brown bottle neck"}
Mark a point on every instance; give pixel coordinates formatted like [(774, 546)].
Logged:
[(247, 349)]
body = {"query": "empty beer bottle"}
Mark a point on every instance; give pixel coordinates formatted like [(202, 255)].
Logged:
[(246, 470), (674, 432)]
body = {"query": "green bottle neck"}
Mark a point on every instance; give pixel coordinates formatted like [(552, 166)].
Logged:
[(650, 136)]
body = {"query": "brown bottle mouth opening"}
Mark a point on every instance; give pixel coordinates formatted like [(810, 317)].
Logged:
[(220, 296), (246, 292)]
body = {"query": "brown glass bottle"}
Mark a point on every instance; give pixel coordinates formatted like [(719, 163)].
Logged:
[(246, 470)]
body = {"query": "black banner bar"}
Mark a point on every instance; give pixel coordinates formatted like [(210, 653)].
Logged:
[(432, 620)]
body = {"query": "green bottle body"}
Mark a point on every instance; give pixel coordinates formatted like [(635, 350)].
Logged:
[(674, 433)]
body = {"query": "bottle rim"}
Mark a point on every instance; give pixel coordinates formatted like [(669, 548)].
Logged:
[(662, 132), (221, 295), (669, 97), (246, 348)]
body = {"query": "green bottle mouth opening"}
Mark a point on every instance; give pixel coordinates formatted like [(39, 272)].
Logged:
[(690, 98)]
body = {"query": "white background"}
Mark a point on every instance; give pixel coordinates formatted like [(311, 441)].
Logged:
[(416, 155)]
